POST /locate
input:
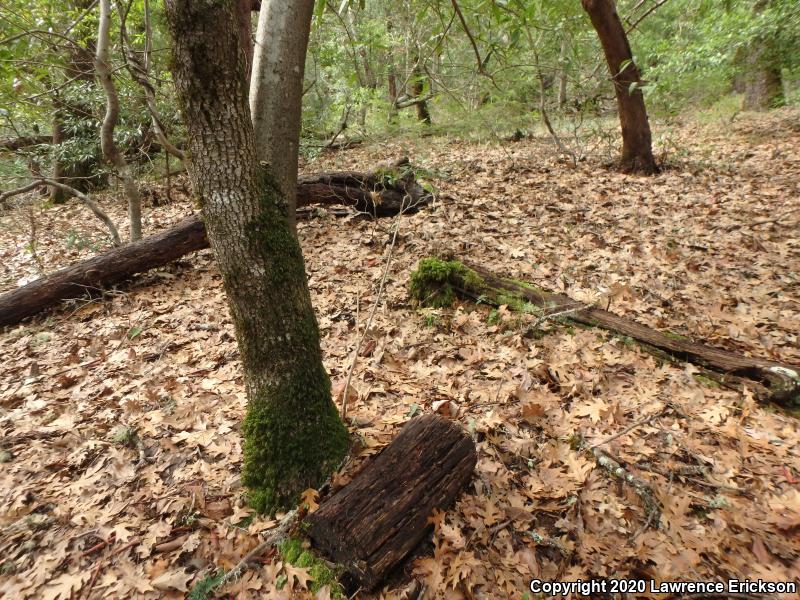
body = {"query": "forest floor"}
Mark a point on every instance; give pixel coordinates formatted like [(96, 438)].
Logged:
[(119, 416)]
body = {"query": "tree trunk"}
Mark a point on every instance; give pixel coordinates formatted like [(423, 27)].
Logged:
[(109, 147), (74, 173), (759, 66), (388, 191), (373, 522), (761, 78), (243, 10), (637, 152), (417, 87), (772, 381), (276, 89), (293, 437), (562, 73)]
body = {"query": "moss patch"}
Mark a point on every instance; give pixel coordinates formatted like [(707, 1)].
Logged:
[(432, 282), (293, 553)]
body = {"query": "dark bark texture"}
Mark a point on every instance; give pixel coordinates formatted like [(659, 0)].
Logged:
[(384, 192), (373, 522), (637, 151), (293, 437)]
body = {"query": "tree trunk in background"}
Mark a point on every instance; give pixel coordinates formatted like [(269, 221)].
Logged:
[(759, 70), (77, 174), (276, 89), (112, 154), (562, 73), (637, 151), (417, 88), (763, 88), (293, 437)]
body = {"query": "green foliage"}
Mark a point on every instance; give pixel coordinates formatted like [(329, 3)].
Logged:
[(321, 573), (432, 283), (204, 589)]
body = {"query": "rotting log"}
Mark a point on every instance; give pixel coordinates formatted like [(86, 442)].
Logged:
[(386, 191), (438, 281), (371, 524)]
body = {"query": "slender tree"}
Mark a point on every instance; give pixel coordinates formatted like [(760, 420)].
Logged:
[(113, 154), (276, 89), (293, 437), (637, 149)]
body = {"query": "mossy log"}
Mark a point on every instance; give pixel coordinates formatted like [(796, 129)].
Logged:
[(437, 282), (386, 191), (372, 523)]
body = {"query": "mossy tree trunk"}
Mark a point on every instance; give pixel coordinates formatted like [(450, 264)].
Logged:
[(293, 437), (637, 151)]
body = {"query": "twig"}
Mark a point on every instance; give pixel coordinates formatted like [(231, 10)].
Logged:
[(377, 302), (93, 549), (641, 487), (275, 536), (95, 208), (629, 428)]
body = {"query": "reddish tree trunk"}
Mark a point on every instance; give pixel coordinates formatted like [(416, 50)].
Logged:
[(637, 151)]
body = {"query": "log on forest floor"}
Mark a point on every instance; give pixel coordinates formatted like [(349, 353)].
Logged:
[(387, 191), (437, 282), (372, 523)]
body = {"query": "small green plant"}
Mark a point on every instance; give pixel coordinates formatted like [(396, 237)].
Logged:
[(79, 241), (494, 317), (321, 574), (204, 589), (125, 436)]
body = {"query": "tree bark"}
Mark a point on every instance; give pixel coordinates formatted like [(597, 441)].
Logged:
[(761, 78), (103, 270), (771, 380), (243, 10), (372, 523), (420, 101), (637, 151), (293, 437), (759, 66), (368, 192), (276, 89), (110, 150)]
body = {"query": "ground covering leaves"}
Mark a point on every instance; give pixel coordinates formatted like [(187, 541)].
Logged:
[(119, 415)]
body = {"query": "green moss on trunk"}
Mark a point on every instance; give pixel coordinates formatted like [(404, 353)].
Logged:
[(293, 440), (293, 436)]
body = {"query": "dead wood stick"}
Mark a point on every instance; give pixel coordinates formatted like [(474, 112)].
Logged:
[(613, 467), (273, 538), (387, 191), (772, 381)]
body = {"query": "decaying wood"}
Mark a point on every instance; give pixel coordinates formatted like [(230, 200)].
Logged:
[(372, 523), (368, 192), (772, 381)]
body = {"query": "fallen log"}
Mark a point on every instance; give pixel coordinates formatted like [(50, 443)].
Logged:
[(373, 522), (25, 141), (387, 191), (437, 282)]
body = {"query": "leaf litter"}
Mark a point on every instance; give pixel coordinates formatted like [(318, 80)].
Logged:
[(119, 415)]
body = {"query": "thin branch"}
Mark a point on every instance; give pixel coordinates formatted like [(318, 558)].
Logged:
[(346, 392), (629, 428), (93, 206), (17, 191), (472, 42), (139, 73), (274, 537), (647, 13)]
